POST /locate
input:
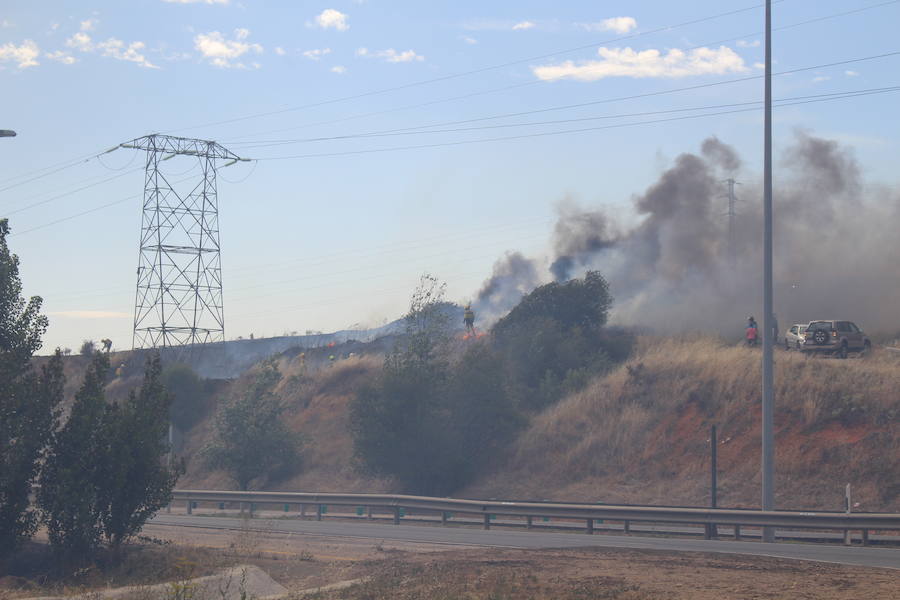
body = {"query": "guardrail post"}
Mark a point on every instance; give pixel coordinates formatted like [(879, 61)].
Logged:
[(528, 523), (627, 527), (737, 533), (302, 511), (443, 517), (169, 508), (848, 538), (318, 512), (590, 527), (396, 515), (487, 521), (190, 507), (369, 513), (865, 537)]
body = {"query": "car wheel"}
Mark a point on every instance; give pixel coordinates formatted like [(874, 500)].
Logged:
[(820, 337), (842, 353), (799, 347)]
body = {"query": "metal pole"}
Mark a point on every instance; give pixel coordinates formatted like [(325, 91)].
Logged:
[(713, 478), (768, 391)]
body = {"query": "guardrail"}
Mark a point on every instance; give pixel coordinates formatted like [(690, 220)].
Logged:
[(709, 517)]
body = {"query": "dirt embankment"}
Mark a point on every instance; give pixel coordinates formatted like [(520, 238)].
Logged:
[(640, 434), (637, 435)]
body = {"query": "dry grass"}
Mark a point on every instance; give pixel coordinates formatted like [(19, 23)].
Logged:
[(640, 433), (318, 405)]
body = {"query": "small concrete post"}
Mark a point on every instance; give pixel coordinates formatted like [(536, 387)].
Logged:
[(737, 533), (528, 522), (848, 537), (190, 507), (169, 508), (369, 513), (590, 527), (443, 517), (487, 521), (318, 512), (627, 526), (396, 515), (865, 537), (302, 510)]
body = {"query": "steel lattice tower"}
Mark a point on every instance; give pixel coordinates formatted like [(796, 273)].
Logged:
[(179, 275)]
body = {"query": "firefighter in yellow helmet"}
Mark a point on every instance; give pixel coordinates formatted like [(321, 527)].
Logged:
[(469, 319)]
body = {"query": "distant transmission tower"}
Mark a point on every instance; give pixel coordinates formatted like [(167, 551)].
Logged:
[(731, 214), (179, 274)]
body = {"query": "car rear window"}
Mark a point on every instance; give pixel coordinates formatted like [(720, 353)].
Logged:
[(816, 325)]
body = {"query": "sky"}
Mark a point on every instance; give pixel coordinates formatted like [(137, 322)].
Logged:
[(468, 109)]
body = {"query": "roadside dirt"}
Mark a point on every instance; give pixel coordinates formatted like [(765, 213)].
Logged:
[(406, 570)]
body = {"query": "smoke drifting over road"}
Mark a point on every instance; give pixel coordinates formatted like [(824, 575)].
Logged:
[(836, 246)]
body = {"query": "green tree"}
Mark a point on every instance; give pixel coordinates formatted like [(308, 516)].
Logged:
[(555, 338), (71, 479), (28, 402), (139, 474), (250, 439), (188, 395), (428, 422)]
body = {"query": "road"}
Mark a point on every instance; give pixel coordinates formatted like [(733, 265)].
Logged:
[(860, 556)]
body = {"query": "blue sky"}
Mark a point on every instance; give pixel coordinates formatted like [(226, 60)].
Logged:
[(325, 242)]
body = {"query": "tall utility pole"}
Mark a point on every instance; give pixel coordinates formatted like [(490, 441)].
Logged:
[(768, 338), (179, 275)]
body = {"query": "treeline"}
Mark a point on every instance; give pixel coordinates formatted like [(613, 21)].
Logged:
[(433, 419), (102, 473)]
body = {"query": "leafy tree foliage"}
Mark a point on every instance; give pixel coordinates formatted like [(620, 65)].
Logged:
[(554, 339), (72, 478), (28, 402), (426, 421), (107, 472), (251, 440), (87, 348), (137, 480), (188, 395)]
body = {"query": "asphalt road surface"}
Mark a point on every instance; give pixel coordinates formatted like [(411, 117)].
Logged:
[(861, 556)]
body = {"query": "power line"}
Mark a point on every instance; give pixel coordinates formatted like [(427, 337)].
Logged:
[(549, 133), (538, 81), (508, 138), (426, 129)]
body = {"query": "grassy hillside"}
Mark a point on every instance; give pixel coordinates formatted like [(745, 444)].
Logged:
[(317, 400), (640, 434)]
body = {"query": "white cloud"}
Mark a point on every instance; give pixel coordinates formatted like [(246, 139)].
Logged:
[(851, 73), (469, 40), (316, 53), (390, 55), (759, 65), (746, 44), (90, 314), (331, 19), (339, 69), (820, 78), (80, 41), (280, 51), (625, 62), (616, 24), (222, 52), (196, 1), (130, 52), (61, 56), (111, 48), (88, 25), (24, 55), (5, 23), (523, 25)]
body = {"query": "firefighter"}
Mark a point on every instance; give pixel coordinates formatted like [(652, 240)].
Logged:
[(752, 331), (107, 344), (469, 319)]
